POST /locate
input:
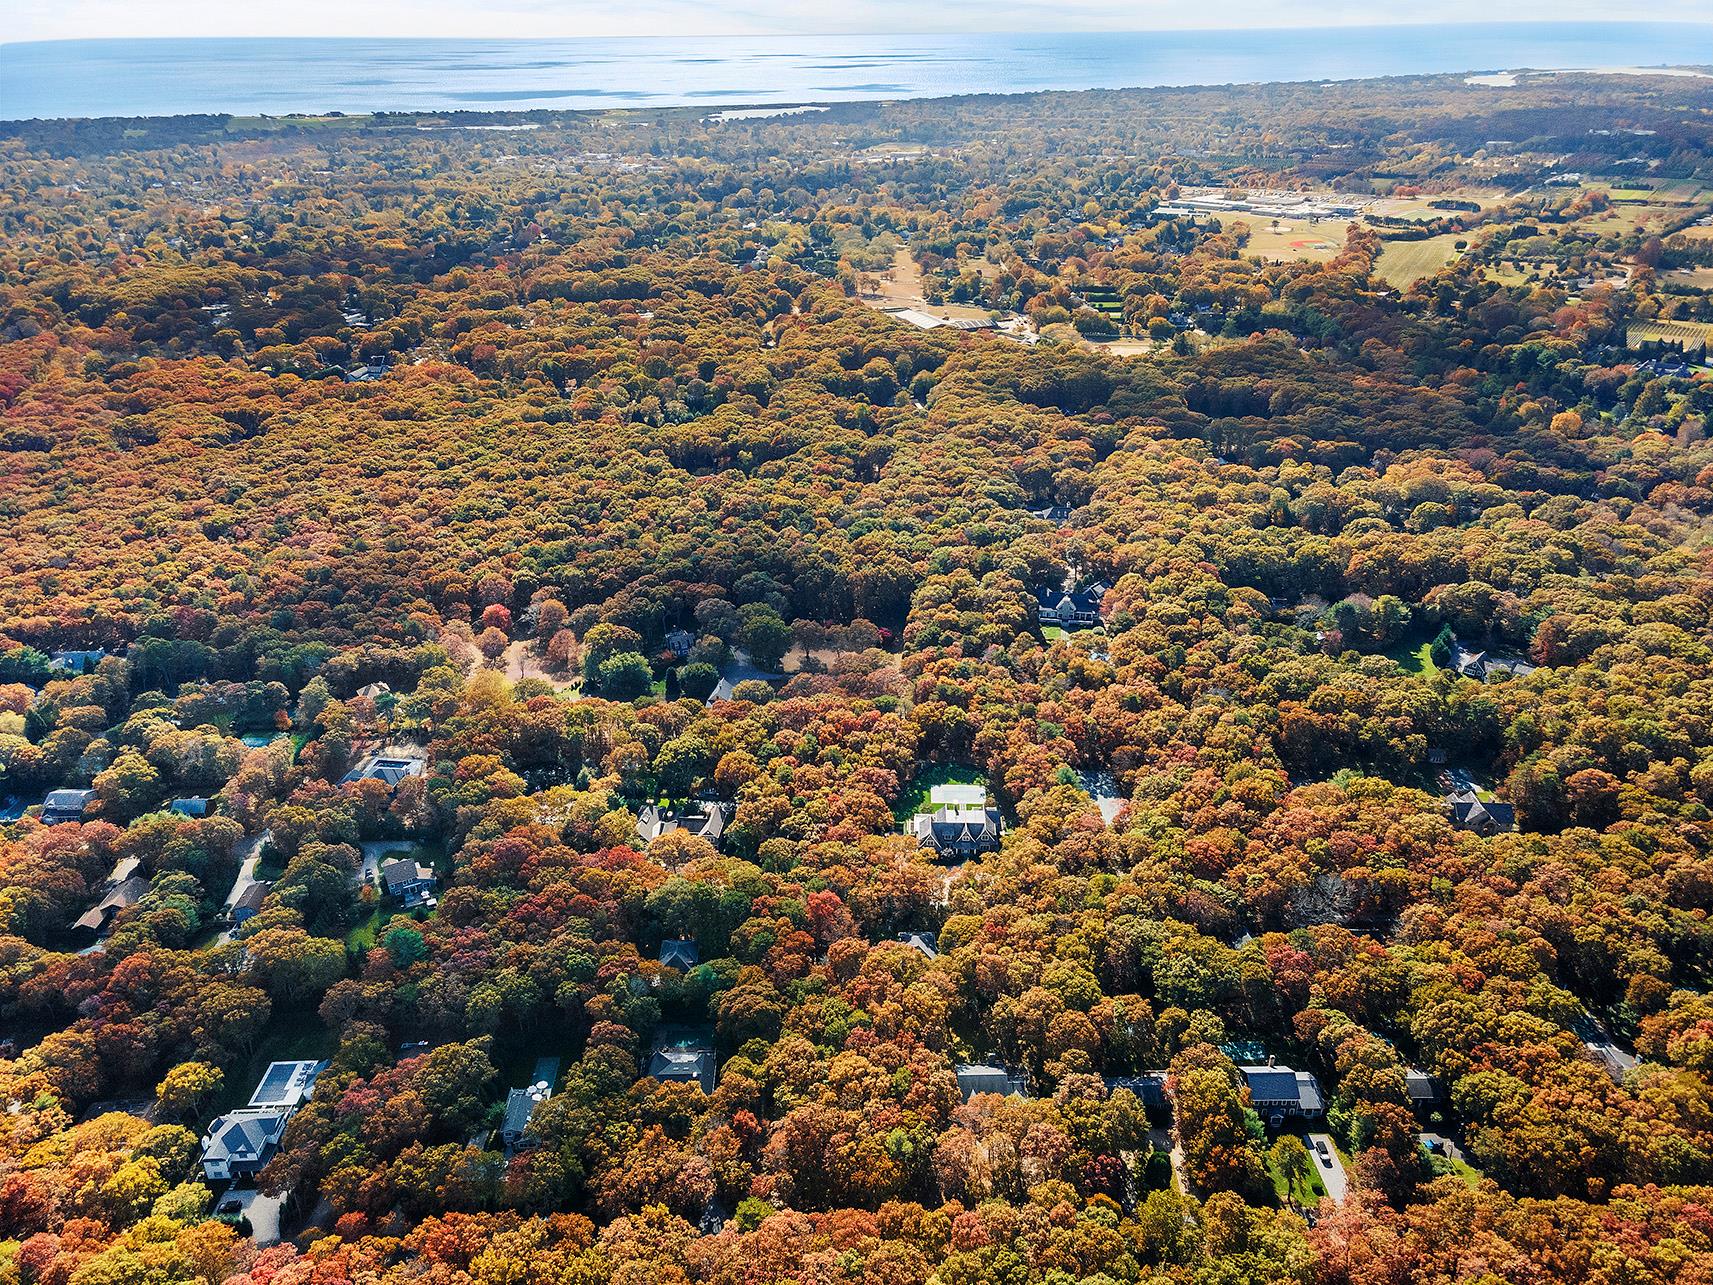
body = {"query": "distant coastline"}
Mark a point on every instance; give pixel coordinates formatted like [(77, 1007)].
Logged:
[(106, 78)]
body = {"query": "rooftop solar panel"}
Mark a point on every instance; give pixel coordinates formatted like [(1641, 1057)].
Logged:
[(275, 1085)]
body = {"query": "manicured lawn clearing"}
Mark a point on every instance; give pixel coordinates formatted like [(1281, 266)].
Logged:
[(1305, 1191), (915, 798), (1402, 262), (1414, 655)]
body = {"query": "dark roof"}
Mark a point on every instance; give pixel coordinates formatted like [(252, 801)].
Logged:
[(1271, 1083), (679, 952), (403, 873), (1074, 602), (1421, 1086), (1471, 813), (704, 819), (520, 1106), (1281, 1086), (253, 896), (956, 827), (737, 671), (245, 1136), (388, 768), (927, 943), (685, 1065), (982, 1078), (1150, 1086), (67, 802)]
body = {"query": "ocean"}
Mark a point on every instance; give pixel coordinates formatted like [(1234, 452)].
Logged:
[(280, 76)]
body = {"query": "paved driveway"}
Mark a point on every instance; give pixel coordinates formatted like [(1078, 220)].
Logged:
[(263, 1211), (1329, 1166), (249, 860)]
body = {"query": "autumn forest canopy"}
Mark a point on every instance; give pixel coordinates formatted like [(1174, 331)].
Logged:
[(1075, 688)]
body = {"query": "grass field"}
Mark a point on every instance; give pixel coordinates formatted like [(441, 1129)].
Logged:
[(1641, 216), (915, 798), (1700, 278), (1402, 262), (1306, 1191), (1415, 657), (1517, 272), (1317, 239), (1689, 332), (1678, 189)]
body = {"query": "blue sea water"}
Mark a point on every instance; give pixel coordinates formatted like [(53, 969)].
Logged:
[(278, 76)]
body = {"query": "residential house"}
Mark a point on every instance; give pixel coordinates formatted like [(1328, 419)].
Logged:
[(240, 1143), (679, 642), (927, 944), (373, 691), (124, 888), (1149, 1086), (1481, 665), (77, 661), (1070, 609), (739, 670), (192, 807), (1425, 1091), (981, 1078), (704, 819), (685, 1062), (411, 882), (521, 1103), (1470, 812), (250, 901), (388, 768), (961, 825), (65, 805), (679, 953), (1278, 1093)]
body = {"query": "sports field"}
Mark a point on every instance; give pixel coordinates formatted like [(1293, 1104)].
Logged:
[(1289, 239), (1402, 262)]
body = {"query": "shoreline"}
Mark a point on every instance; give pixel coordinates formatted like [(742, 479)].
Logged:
[(163, 77)]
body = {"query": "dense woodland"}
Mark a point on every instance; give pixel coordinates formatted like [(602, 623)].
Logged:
[(343, 433)]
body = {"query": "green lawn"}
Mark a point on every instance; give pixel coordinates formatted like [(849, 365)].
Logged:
[(1442, 1165), (1402, 262), (1414, 656), (362, 938), (1052, 633), (1307, 1190), (915, 798)]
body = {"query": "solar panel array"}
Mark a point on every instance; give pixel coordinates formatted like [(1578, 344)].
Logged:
[(275, 1088)]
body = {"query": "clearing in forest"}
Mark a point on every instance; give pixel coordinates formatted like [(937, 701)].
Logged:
[(1403, 262)]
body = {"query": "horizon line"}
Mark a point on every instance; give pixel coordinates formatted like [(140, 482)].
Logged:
[(828, 34)]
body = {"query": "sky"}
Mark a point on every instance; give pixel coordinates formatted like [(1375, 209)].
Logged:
[(85, 19)]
